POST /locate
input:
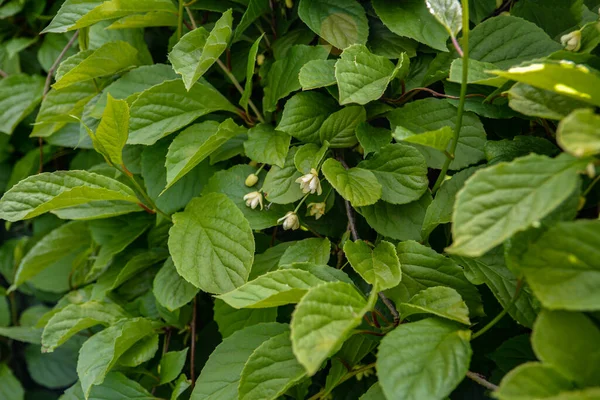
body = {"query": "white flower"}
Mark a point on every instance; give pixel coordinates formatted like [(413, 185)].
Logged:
[(253, 199), (290, 221), (310, 183), (316, 210), (571, 41), (251, 180)]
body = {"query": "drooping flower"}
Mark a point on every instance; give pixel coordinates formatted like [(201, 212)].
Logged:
[(253, 199), (316, 210), (251, 180), (310, 182), (571, 41), (290, 221)]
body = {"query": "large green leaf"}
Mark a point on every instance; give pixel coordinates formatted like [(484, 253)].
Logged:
[(69, 13), (272, 289), (221, 374), (423, 360), (566, 341), (10, 387), (304, 114), (317, 73), (270, 370), (339, 22), (115, 386), (323, 320), (576, 81), (196, 143), (402, 172), (168, 106), (56, 370), (555, 18), (170, 289), (379, 266), (211, 244), (507, 41), (312, 250), (359, 186), (536, 102), (19, 95), (562, 266), (441, 301), (283, 75), (506, 198), (339, 128), (412, 19), (372, 139), (111, 58), (120, 8), (579, 133), (112, 132), (267, 145), (198, 50), (431, 114), (62, 189), (77, 317), (533, 380), (102, 351)]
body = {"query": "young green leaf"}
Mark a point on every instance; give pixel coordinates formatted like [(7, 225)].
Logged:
[(312, 250), (170, 289), (112, 132), (339, 22), (448, 13), (19, 95), (69, 13), (222, 243), (250, 71), (304, 114), (142, 351), (267, 145), (118, 8), (339, 128), (280, 185), (270, 370), (533, 380), (198, 50), (579, 133), (359, 186), (372, 139), (437, 139), (171, 365), (256, 8), (423, 360), (379, 266), (441, 301), (316, 74), (522, 193), (62, 189)]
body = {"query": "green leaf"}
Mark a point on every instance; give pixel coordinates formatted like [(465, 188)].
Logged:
[(118, 8), (491, 270), (54, 249), (77, 317), (69, 13), (359, 186), (250, 70), (448, 13), (19, 95), (423, 268), (283, 75), (441, 301), (561, 266), (231, 319), (519, 146), (379, 266), (555, 19), (273, 289), (339, 128), (478, 73), (309, 156), (316, 74), (198, 50), (25, 334), (147, 125), (412, 19), (171, 365), (267, 145), (362, 76), (402, 172), (512, 353), (566, 342), (323, 320), (280, 185), (111, 58), (374, 393), (384, 42), (339, 22), (10, 387), (150, 19), (437, 139), (533, 380), (221, 374), (372, 139), (578, 133), (270, 370), (102, 351), (196, 143), (400, 222), (304, 114), (542, 103), (576, 81), (507, 41), (170, 289), (256, 8), (111, 135), (523, 192), (312, 250), (142, 351), (423, 360), (62, 189), (212, 244)]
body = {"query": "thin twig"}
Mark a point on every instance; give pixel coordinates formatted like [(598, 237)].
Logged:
[(3, 73), (240, 89), (193, 343), (192, 19), (57, 61), (480, 380), (459, 50), (501, 314), (180, 20), (351, 220), (388, 303)]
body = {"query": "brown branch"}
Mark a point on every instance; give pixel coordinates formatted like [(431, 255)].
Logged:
[(480, 380), (57, 61)]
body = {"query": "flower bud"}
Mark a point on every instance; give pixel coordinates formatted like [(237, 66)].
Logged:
[(251, 180), (310, 183), (290, 221), (260, 59), (571, 41), (254, 199), (289, 3), (316, 210)]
